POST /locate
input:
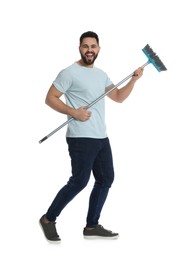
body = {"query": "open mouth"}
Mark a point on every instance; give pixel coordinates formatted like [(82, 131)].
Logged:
[(89, 55)]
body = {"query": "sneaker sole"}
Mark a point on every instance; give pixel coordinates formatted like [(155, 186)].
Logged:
[(101, 237)]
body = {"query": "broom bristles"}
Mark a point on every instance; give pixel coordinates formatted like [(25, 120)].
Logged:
[(153, 58)]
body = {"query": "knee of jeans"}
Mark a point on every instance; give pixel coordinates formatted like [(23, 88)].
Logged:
[(107, 183), (82, 184), (79, 183)]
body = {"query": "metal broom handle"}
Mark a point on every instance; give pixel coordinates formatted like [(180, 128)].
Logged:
[(92, 104)]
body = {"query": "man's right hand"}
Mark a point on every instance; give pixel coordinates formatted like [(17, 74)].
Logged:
[(82, 114)]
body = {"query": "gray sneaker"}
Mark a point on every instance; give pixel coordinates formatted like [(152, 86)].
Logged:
[(99, 232), (49, 230)]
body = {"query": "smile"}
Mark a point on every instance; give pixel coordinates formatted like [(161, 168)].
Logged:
[(89, 55)]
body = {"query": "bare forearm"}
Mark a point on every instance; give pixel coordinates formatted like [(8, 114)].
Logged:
[(53, 100), (59, 106), (119, 95), (125, 91)]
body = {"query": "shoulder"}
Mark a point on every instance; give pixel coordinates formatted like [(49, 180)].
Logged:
[(66, 72), (68, 69), (100, 71), (103, 76)]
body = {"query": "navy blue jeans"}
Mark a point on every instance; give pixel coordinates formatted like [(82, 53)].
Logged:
[(87, 155)]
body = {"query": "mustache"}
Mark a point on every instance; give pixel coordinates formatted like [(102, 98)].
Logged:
[(89, 52)]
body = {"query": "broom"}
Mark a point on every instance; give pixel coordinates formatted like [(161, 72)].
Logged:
[(152, 58)]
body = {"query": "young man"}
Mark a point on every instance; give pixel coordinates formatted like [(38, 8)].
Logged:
[(88, 144)]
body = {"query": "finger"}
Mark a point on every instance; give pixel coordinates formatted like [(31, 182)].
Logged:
[(88, 113)]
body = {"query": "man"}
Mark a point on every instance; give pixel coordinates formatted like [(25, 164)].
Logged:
[(88, 144)]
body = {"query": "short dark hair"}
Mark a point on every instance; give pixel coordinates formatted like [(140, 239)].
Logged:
[(89, 34)]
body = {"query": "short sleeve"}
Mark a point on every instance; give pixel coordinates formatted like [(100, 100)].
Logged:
[(63, 81), (108, 82)]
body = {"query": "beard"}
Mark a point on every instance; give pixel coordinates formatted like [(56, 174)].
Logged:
[(89, 60)]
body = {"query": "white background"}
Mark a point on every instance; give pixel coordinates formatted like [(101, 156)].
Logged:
[(146, 202)]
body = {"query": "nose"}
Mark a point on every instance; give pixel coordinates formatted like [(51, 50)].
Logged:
[(89, 49)]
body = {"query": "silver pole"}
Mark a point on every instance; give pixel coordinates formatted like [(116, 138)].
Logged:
[(92, 104)]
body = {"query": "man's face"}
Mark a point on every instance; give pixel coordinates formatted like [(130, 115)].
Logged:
[(89, 50)]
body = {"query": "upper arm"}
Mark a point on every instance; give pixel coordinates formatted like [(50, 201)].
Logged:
[(53, 92)]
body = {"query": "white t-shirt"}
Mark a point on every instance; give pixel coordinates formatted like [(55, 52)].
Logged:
[(81, 86)]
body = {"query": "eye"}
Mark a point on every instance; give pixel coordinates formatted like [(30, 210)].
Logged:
[(85, 46)]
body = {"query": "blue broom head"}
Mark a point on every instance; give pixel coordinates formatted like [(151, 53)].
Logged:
[(153, 58)]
